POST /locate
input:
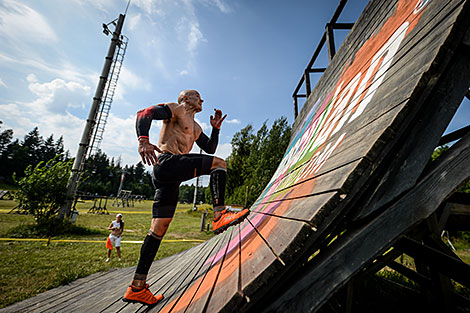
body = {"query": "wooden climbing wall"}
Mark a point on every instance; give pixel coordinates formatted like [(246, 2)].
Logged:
[(362, 138), (359, 125), (354, 129)]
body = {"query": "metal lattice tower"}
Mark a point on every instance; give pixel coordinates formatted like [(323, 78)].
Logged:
[(109, 91)]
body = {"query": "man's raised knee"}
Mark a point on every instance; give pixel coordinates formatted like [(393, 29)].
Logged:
[(160, 226), (218, 163)]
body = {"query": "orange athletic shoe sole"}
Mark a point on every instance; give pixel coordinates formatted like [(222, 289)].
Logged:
[(228, 219)]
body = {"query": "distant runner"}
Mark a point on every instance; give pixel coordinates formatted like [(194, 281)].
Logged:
[(172, 164), (116, 227)]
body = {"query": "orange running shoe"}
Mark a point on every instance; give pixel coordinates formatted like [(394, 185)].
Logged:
[(142, 295), (228, 218)]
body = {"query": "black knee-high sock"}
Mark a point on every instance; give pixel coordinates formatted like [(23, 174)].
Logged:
[(217, 185), (147, 255)]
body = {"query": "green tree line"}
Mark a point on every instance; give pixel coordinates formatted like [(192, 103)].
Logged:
[(16, 155), (102, 175), (254, 158)]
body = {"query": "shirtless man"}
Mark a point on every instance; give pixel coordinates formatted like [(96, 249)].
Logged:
[(116, 227), (172, 164)]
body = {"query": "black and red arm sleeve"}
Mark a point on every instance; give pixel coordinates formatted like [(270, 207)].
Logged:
[(145, 117), (209, 145)]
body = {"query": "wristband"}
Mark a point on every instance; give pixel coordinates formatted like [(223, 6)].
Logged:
[(145, 137)]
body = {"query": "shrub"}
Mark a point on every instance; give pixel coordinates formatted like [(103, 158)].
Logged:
[(42, 191), (54, 227)]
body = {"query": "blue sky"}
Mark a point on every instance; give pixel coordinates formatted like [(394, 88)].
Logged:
[(245, 58)]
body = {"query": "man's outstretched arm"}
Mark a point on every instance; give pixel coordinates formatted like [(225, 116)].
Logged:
[(209, 145)]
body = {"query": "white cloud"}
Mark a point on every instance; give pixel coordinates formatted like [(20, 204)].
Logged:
[(48, 111), (224, 150), (2, 83), (233, 121), (147, 6), (219, 4), (120, 138), (133, 21), (184, 73), (22, 118), (130, 81), (65, 70), (101, 5), (205, 127), (195, 36), (188, 29), (57, 95), (20, 23)]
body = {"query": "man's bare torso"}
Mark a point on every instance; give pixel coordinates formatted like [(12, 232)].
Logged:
[(178, 134)]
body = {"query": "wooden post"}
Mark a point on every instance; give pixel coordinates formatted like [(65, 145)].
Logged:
[(203, 220), (330, 40), (308, 86), (296, 107)]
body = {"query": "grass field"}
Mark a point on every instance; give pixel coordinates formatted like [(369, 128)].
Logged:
[(31, 267)]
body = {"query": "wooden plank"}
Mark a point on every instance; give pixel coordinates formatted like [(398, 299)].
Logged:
[(186, 296), (236, 268), (273, 265), (52, 295), (349, 253), (289, 202), (416, 277), (456, 269), (228, 295), (195, 297), (189, 275), (378, 263), (100, 296)]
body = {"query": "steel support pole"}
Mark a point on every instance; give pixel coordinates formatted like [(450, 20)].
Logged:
[(90, 123)]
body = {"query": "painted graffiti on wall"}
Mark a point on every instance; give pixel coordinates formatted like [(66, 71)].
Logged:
[(311, 145)]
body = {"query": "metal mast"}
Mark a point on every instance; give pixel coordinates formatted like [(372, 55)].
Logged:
[(110, 89), (98, 109)]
